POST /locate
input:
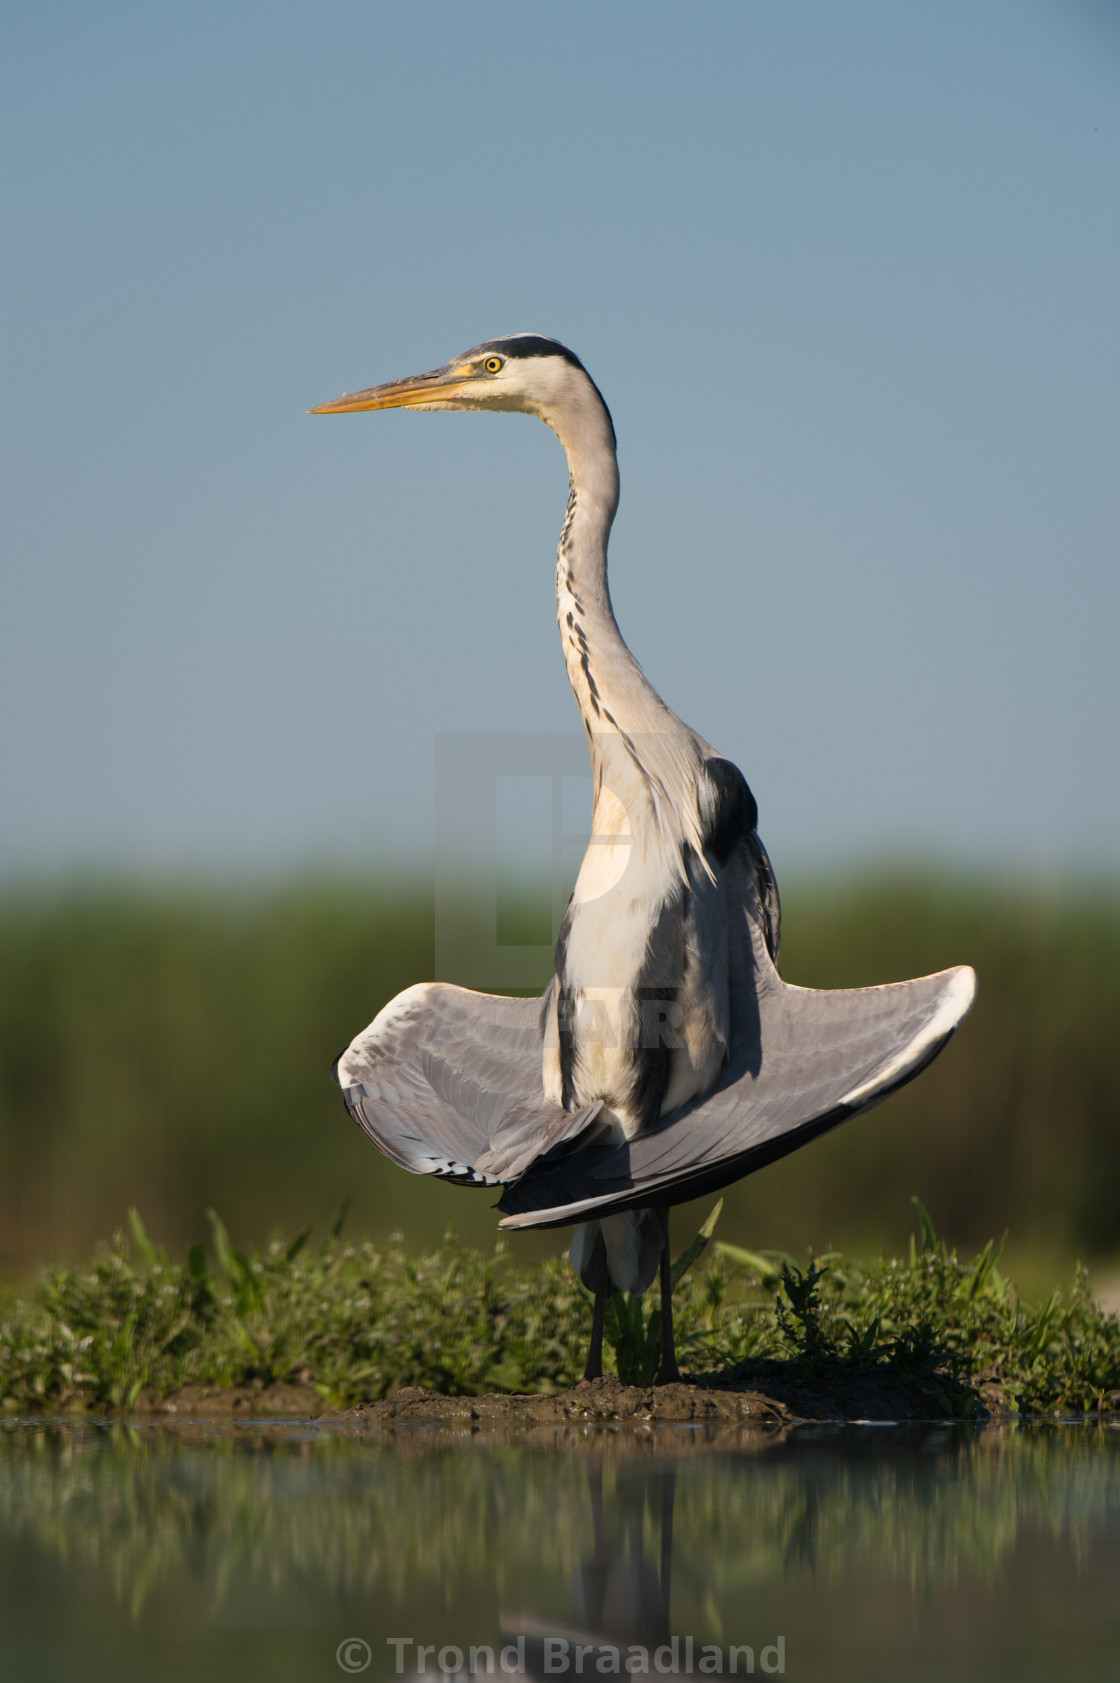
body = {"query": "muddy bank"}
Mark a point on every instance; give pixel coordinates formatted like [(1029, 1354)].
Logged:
[(769, 1395), (601, 1401)]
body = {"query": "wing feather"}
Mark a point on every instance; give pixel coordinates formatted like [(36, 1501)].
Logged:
[(803, 1061), (447, 1082)]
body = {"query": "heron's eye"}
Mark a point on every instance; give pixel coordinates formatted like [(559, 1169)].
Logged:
[(492, 364)]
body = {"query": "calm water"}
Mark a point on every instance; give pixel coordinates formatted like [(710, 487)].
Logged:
[(295, 1551)]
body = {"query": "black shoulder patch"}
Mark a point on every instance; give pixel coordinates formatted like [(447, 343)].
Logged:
[(730, 811), (565, 1010), (560, 950), (653, 1058), (656, 993), (769, 899)]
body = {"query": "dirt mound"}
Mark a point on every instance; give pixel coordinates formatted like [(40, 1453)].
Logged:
[(762, 1395), (775, 1395)]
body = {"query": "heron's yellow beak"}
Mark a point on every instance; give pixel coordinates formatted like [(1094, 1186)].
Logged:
[(439, 387)]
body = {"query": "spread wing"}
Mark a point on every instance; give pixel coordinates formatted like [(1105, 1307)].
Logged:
[(447, 1082), (801, 1061)]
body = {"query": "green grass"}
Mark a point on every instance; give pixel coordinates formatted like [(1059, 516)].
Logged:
[(356, 1320)]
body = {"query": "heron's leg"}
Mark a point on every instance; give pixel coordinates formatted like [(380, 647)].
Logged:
[(594, 1368), (668, 1373)]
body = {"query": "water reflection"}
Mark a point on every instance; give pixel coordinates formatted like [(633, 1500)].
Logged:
[(621, 1590), (133, 1552)]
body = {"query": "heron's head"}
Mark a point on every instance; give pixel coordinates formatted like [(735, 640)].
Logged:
[(522, 372)]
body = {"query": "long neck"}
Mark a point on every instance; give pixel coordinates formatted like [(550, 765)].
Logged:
[(609, 685)]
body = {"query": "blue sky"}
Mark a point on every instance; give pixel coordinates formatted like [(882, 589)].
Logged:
[(847, 276)]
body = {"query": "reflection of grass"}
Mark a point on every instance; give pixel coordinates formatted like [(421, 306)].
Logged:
[(354, 1321), (169, 1049), (328, 1518)]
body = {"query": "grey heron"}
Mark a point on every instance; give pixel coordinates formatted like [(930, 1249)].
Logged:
[(667, 1056)]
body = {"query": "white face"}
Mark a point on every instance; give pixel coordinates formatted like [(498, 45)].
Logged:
[(493, 379), (494, 376), (520, 374)]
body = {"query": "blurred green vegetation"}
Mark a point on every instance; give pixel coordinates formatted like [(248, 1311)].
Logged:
[(810, 1534), (168, 1047)]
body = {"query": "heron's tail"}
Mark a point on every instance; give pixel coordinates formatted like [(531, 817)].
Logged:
[(633, 1241)]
